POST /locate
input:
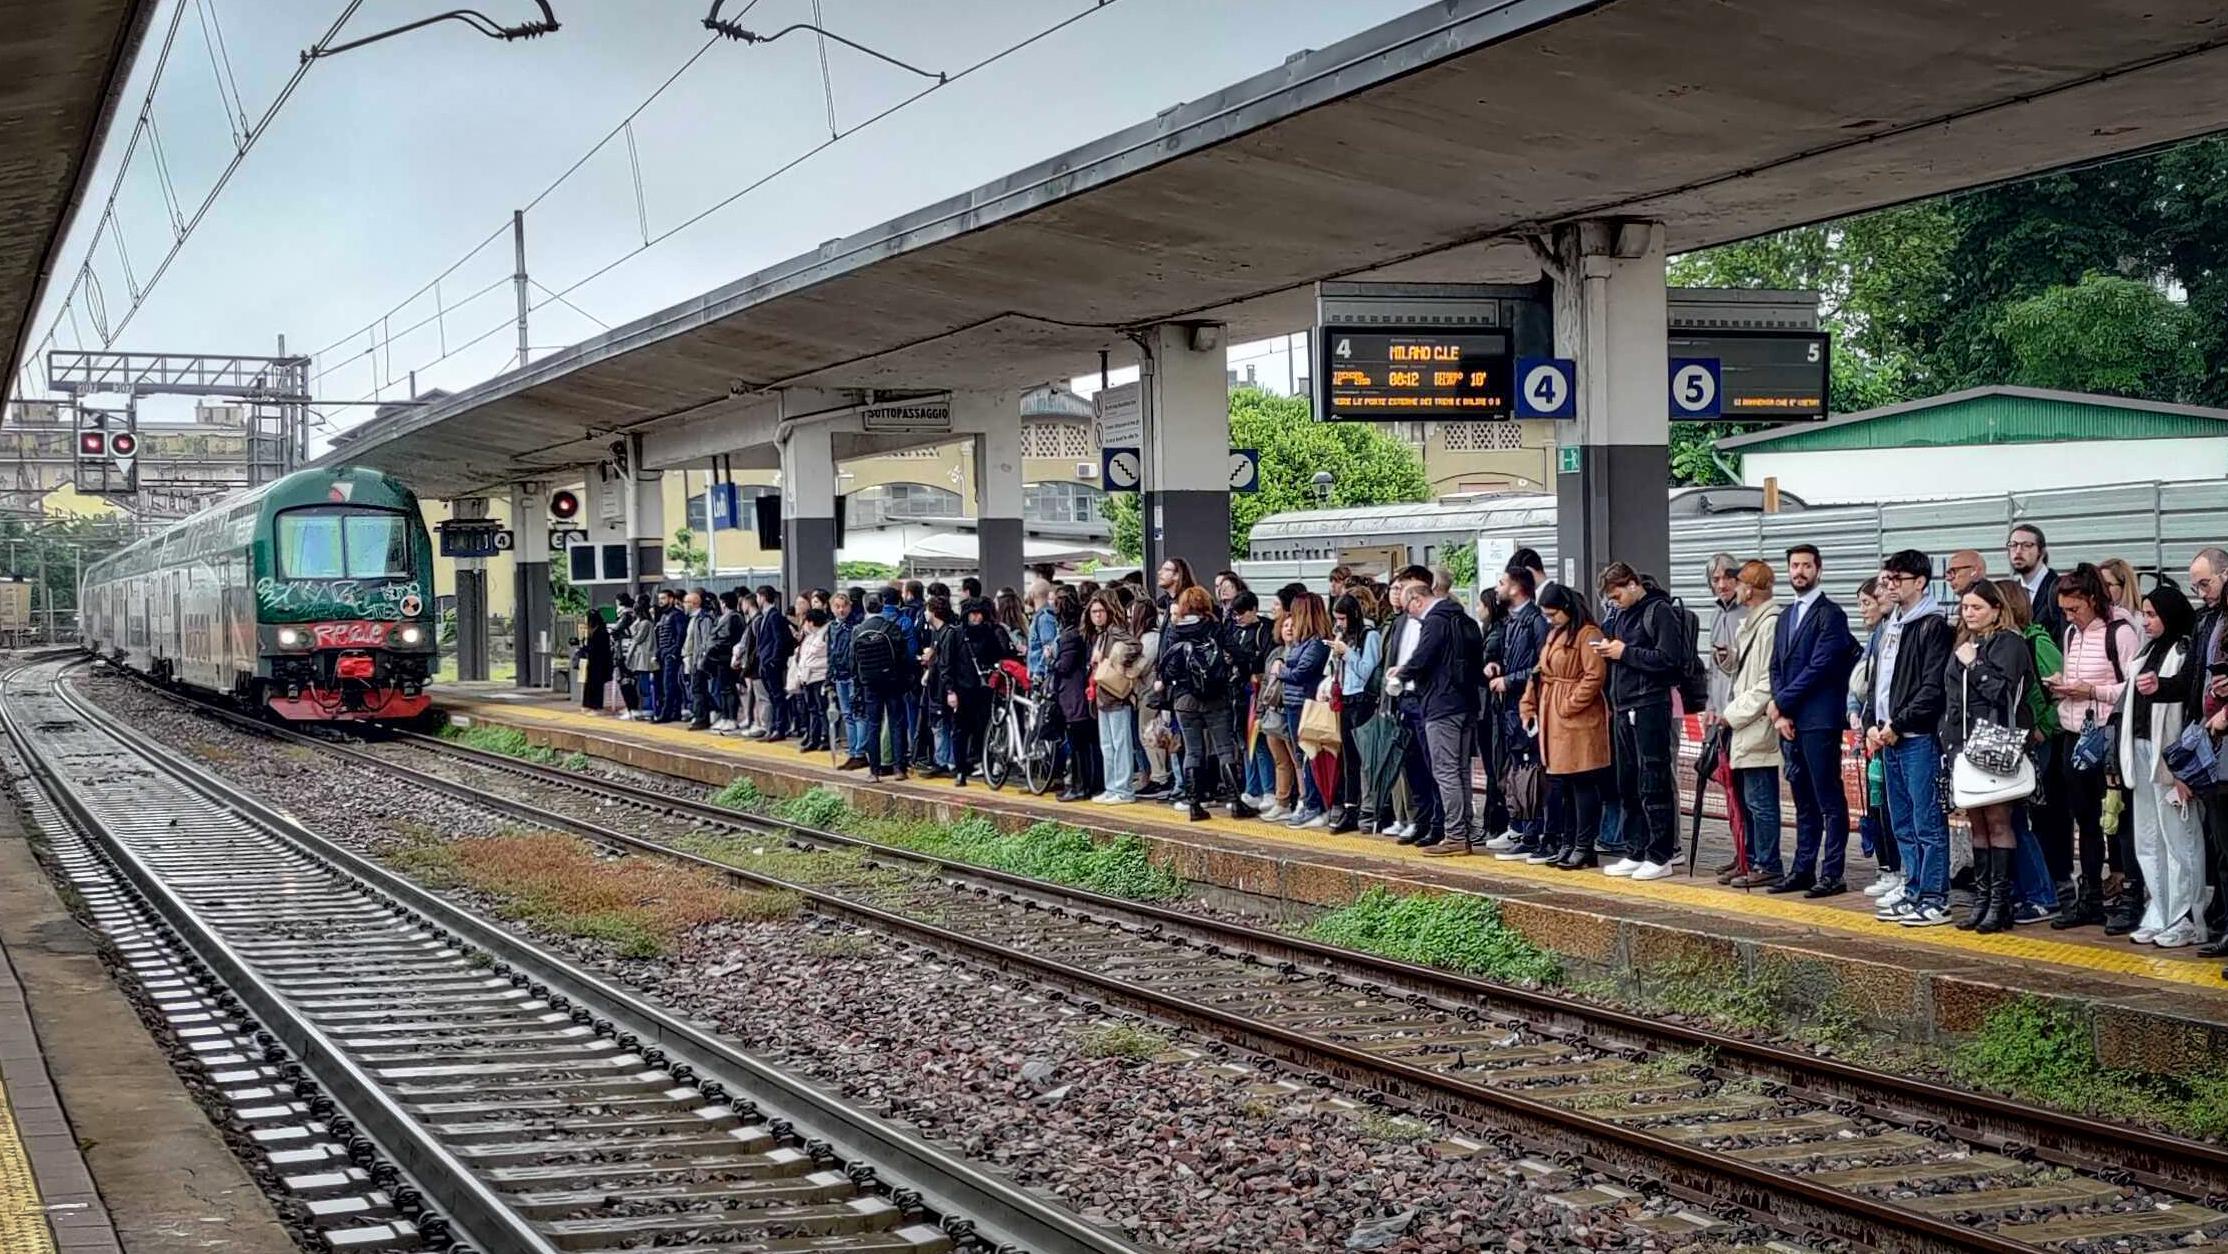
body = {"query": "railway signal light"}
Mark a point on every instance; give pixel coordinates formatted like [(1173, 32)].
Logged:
[(124, 448), (92, 443), (564, 506)]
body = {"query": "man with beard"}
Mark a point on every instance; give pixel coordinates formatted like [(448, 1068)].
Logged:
[(1812, 655)]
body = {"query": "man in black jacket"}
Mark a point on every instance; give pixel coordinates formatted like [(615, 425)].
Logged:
[(1444, 666), (1903, 716), (1648, 650)]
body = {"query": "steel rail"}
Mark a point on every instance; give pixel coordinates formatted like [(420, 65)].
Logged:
[(1782, 1199), (2147, 1157), (991, 1208)]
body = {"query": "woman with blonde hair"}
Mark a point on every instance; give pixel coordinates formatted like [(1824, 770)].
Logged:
[(1755, 751)]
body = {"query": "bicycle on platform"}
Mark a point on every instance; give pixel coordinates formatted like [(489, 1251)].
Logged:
[(1015, 743)]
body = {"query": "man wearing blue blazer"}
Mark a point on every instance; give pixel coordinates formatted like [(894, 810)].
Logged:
[(1812, 655)]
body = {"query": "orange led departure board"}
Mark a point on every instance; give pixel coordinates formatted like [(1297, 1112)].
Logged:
[(1379, 375)]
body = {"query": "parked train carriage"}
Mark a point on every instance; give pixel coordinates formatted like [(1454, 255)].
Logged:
[(312, 594)]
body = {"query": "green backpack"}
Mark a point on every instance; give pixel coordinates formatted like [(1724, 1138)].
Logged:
[(2049, 660)]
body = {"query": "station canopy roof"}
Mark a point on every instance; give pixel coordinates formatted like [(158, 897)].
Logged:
[(1426, 148)]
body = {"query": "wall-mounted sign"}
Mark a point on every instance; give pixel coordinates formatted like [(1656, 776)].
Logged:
[(930, 415)]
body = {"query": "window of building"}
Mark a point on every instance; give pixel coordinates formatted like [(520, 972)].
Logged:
[(898, 502), (1483, 437), (1058, 501), (1065, 440)]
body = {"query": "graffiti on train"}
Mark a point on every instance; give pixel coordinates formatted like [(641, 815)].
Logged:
[(340, 598)]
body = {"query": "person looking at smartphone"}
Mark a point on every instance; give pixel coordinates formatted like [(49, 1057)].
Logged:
[(1647, 652)]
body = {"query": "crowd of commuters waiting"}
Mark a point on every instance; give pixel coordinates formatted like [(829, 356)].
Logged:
[(2067, 718)]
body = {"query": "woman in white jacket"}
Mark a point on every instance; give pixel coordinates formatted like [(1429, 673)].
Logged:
[(2169, 842), (1755, 753)]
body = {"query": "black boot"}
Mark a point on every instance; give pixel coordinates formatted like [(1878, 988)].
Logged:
[(1348, 821), (2086, 909), (1998, 916), (1579, 855), (1240, 810), (1201, 783), (1984, 875)]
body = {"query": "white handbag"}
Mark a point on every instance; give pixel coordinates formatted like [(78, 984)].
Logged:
[(1973, 785)]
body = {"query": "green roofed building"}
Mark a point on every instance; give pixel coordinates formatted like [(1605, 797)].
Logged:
[(1984, 441)]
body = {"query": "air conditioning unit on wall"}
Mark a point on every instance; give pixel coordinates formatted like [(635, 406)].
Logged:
[(1086, 470)]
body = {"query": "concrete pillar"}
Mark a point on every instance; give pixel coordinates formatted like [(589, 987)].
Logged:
[(1187, 448), (808, 506), (1611, 318), (471, 600), (995, 418), (645, 518), (531, 616)]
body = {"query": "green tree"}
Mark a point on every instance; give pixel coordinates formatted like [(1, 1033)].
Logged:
[(685, 553), (865, 572), (2103, 334), (1367, 466)]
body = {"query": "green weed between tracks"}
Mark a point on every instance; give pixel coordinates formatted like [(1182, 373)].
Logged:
[(1055, 852), (2045, 1053), (1457, 932), (511, 743)]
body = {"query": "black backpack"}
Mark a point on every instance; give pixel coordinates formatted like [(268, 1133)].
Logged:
[(1694, 677), (1205, 668), (874, 652)]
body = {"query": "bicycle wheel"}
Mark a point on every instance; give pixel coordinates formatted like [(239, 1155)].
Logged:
[(1037, 756), (997, 759)]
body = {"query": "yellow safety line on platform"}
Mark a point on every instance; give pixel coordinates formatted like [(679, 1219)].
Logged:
[(2021, 945), (23, 1226)]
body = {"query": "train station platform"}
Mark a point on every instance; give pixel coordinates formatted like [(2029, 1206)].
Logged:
[(102, 1148), (2153, 1010)]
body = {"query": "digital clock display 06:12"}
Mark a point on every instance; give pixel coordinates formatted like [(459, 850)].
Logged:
[(1375, 375)]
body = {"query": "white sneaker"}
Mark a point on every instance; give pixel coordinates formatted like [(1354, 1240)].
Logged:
[(1925, 916), (1893, 901), (2176, 937), (1322, 819), (1112, 800), (1881, 887), (1538, 859), (1894, 914), (1513, 855), (1622, 867), (1102, 798), (1654, 871), (1502, 843), (1406, 830), (1272, 812), (2144, 935)]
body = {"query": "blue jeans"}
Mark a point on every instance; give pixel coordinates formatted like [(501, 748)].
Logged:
[(943, 733), (877, 708), (1757, 788), (2031, 880), (1821, 810), (1260, 769), (1116, 727), (1915, 812), (854, 717), (669, 690), (1611, 843)]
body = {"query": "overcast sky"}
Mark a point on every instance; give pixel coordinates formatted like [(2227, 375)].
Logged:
[(392, 162)]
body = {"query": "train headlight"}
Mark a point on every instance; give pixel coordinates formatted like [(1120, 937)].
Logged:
[(288, 637), (412, 635)]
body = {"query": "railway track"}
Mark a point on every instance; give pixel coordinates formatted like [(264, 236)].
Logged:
[(423, 1080), (1745, 1132)]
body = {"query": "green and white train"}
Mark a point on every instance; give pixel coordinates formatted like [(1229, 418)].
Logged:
[(312, 595)]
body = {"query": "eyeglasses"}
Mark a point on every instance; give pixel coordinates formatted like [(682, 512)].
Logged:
[(2020, 546)]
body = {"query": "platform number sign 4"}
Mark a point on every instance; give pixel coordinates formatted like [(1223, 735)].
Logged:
[(1546, 387), (1695, 387)]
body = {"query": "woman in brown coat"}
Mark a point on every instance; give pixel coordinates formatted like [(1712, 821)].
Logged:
[(1566, 711)]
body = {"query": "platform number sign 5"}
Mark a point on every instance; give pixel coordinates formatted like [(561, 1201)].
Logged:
[(1695, 387), (1546, 387)]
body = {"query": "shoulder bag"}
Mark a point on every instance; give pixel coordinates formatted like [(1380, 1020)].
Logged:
[(2099, 743), (1318, 730), (1992, 767), (1112, 677)]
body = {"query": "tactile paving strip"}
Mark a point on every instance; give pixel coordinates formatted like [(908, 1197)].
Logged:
[(23, 1226)]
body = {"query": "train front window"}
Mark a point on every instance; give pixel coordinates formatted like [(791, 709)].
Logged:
[(343, 544)]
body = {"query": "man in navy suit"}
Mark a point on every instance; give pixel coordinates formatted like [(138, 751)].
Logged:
[(1812, 655)]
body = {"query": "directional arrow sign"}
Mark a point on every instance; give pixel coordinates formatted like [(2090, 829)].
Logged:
[(1245, 470), (1120, 469)]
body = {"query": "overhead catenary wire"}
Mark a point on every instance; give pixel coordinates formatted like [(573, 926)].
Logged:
[(87, 283), (563, 293)]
